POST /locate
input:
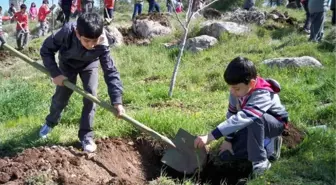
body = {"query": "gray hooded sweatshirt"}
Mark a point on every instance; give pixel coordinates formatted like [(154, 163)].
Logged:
[(262, 99)]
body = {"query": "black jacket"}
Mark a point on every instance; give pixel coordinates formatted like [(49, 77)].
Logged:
[(74, 57)]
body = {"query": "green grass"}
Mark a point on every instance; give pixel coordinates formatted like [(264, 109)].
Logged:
[(199, 102)]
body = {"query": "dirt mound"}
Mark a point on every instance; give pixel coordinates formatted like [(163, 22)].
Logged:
[(279, 20), (243, 16), (116, 162), (211, 13), (292, 136), (277, 16), (157, 17), (4, 55), (131, 38)]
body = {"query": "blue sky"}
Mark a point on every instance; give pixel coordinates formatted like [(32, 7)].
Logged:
[(5, 5)]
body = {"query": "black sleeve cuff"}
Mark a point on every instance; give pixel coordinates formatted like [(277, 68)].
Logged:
[(216, 133)]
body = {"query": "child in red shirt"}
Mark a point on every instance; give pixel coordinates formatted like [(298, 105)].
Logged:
[(42, 18), (22, 28), (109, 7)]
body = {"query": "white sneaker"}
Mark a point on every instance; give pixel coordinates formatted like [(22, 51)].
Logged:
[(44, 131), (89, 145), (273, 149), (261, 166)]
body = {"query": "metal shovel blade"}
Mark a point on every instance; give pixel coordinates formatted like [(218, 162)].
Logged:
[(185, 158)]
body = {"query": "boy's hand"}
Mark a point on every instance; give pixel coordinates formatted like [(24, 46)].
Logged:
[(201, 141), (58, 80), (120, 109), (226, 146)]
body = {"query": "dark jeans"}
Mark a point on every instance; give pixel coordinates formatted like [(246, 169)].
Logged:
[(308, 20), (21, 38), (248, 4), (169, 6), (2, 40), (317, 26), (109, 13), (333, 18), (153, 5), (298, 3), (67, 12), (248, 143), (137, 10), (43, 29), (62, 95)]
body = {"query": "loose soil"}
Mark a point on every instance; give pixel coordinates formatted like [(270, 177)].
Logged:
[(157, 17), (131, 38), (117, 161), (292, 136), (4, 55)]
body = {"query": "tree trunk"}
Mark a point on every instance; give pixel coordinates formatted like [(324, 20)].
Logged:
[(173, 79)]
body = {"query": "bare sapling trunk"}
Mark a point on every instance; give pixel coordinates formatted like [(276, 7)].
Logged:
[(191, 11)]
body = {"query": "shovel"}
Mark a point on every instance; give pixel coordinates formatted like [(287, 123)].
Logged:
[(180, 155)]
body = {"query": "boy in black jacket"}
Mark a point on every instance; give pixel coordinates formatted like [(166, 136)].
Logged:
[(80, 47)]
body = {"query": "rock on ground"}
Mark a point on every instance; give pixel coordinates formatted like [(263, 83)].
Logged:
[(217, 28), (151, 26), (305, 61), (243, 16), (211, 13), (114, 34), (200, 43)]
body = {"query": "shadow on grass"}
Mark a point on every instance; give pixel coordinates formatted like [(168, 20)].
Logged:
[(282, 32), (20, 142), (28, 139), (327, 46)]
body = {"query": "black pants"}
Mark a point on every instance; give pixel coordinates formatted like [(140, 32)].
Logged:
[(248, 143), (308, 20), (66, 11), (109, 13), (62, 95), (2, 40), (333, 17)]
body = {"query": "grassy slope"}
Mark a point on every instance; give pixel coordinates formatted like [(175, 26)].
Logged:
[(200, 98)]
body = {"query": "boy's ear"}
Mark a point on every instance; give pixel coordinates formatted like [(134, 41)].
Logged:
[(252, 83), (77, 34)]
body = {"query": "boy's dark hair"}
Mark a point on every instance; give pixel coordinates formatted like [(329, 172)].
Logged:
[(23, 6), (90, 25), (240, 70), (0, 7)]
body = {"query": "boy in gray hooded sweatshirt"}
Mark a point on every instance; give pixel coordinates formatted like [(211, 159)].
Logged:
[(317, 10), (255, 113)]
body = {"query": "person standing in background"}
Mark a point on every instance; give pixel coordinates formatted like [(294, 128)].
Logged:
[(306, 27), (332, 8), (137, 8), (33, 11), (248, 4), (109, 8), (2, 18), (22, 28), (153, 5), (317, 10), (66, 8), (42, 18)]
